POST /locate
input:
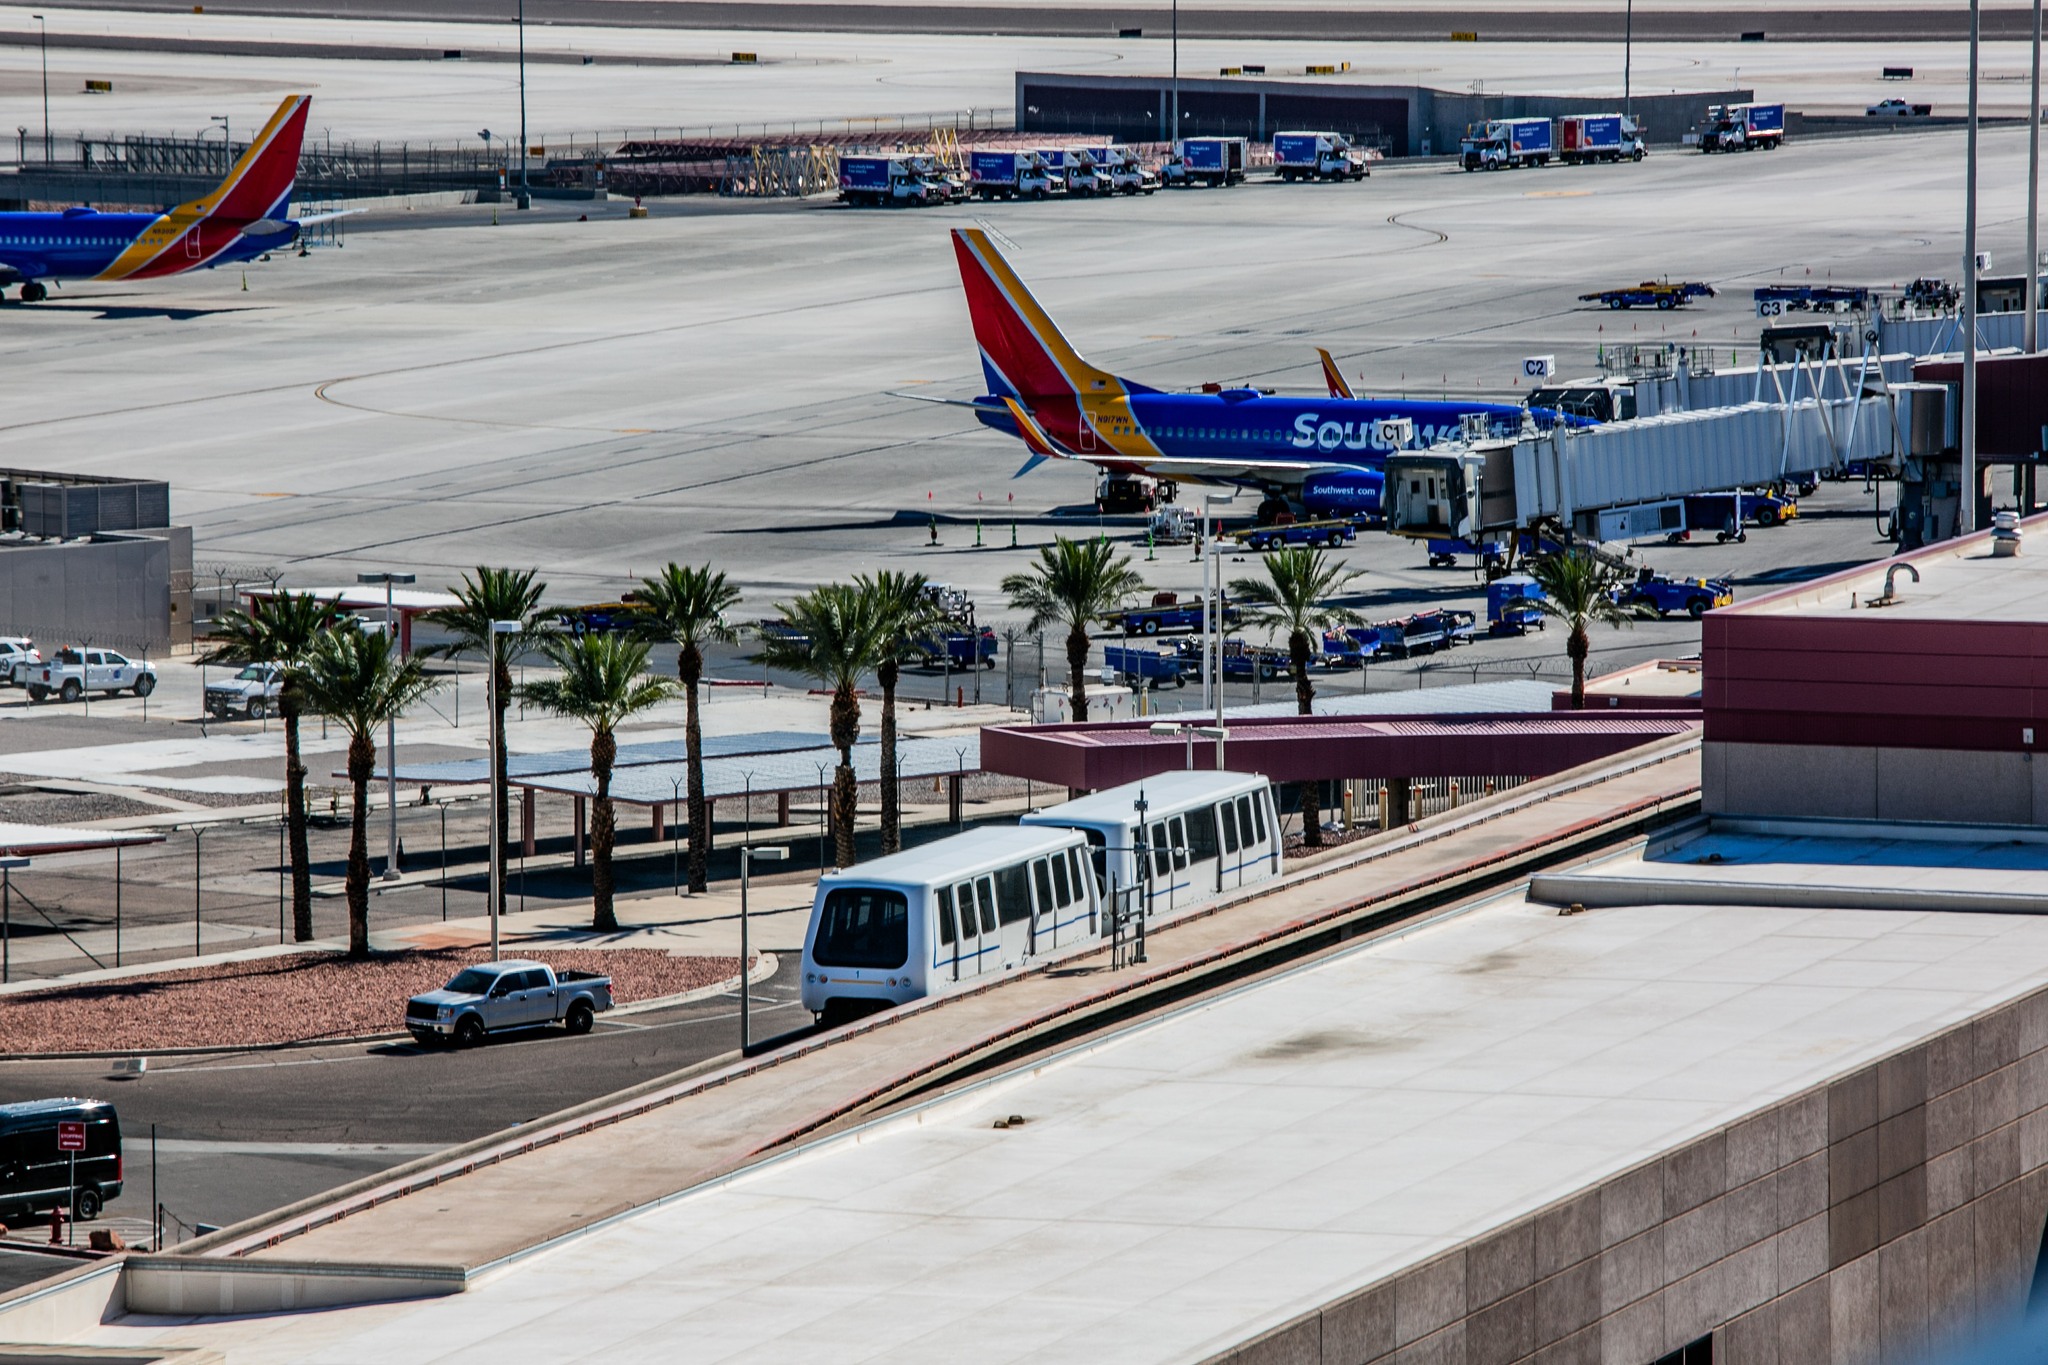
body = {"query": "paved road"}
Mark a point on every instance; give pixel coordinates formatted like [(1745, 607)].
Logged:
[(253, 1131)]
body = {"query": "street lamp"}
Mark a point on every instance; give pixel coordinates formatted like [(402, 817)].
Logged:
[(1966, 509), (769, 854), (525, 200), (46, 84), (1218, 733), (391, 874), (1211, 628), (227, 141), (1166, 729), (2033, 299), (497, 890)]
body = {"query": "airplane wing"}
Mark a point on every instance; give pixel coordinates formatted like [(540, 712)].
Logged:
[(1333, 376), (978, 404), (1287, 472)]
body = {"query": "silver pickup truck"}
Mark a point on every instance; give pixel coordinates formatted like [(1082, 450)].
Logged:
[(497, 997)]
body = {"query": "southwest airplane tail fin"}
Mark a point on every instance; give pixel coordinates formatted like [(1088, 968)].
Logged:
[(259, 187), (1333, 377), (1022, 351)]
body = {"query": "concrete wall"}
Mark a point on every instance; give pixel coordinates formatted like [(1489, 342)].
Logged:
[(1887, 1214), (113, 590), (1854, 783)]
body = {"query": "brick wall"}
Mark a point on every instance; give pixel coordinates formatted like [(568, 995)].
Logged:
[(1891, 1212)]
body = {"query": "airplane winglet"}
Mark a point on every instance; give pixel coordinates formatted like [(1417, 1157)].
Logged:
[(1033, 435), (1333, 376)]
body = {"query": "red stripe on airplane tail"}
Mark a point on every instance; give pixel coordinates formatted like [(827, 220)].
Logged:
[(270, 176), (1004, 333)]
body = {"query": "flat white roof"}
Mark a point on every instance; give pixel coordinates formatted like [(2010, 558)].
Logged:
[(946, 857), (1115, 804), (1187, 1183), (367, 597), (1958, 581)]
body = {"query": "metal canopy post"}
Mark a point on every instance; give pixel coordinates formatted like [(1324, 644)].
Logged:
[(1966, 504), (2032, 295)]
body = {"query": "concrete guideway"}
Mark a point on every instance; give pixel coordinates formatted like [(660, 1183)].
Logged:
[(499, 1198)]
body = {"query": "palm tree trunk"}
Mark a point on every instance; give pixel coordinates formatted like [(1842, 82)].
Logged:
[(1304, 702), (845, 731), (1077, 669), (502, 816), (295, 820), (362, 764), (892, 832), (1576, 648), (604, 748), (690, 669)]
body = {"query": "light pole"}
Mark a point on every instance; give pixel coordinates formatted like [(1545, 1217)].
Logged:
[(1212, 695), (1219, 733), (390, 580), (1167, 729), (773, 853), (227, 142), (2033, 294), (1628, 49), (1174, 134), (1966, 505), (497, 859), (675, 838), (525, 200), (46, 84)]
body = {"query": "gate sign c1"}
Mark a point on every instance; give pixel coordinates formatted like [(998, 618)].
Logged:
[(1539, 366), (70, 1135), (1393, 433)]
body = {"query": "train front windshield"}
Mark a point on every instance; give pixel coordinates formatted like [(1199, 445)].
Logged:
[(863, 926)]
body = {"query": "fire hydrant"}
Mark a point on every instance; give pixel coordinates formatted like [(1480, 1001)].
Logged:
[(57, 1226)]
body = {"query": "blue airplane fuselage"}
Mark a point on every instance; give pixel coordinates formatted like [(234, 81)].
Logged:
[(82, 243)]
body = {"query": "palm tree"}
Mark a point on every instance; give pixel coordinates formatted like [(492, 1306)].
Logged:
[(904, 615), (280, 630), (1294, 597), (1578, 589), (687, 607), (359, 681), (486, 596), (833, 636), (1075, 583), (603, 683)]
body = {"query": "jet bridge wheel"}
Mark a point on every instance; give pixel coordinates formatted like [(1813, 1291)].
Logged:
[(34, 292)]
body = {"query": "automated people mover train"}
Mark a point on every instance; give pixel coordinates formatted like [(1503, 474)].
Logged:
[(954, 913)]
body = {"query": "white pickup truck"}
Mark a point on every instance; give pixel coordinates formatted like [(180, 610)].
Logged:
[(74, 672), (253, 692), (497, 997)]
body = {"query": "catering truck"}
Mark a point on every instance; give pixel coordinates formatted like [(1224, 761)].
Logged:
[(1126, 173), (1009, 175), (890, 181), (1317, 156), (1214, 161), (1506, 143), (1743, 127), (1586, 138), (1074, 171)]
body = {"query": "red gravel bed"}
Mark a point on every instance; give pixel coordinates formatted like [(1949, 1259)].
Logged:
[(293, 999)]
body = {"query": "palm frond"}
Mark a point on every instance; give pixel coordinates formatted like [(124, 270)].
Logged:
[(834, 636), (603, 680), (359, 680), (686, 605), (484, 596), (1295, 594), (1075, 583)]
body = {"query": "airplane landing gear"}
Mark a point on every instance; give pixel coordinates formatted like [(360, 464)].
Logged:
[(34, 292)]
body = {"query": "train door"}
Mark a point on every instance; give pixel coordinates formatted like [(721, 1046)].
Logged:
[(1252, 832), (1045, 915), (1205, 869), (975, 919), (1013, 912), (1230, 867)]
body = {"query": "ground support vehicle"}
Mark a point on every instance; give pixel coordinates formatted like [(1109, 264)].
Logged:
[(1009, 175), (1443, 554), (1743, 127), (1351, 647), (253, 692), (1317, 156), (1074, 172), (1778, 299), (1127, 174), (1728, 514), (37, 1173), (1898, 108), (1158, 667), (1236, 659), (74, 672), (949, 602), (958, 649), (18, 654), (1132, 493), (1174, 526), (1586, 138), (1504, 144), (890, 181), (1330, 533), (599, 617), (1212, 161), (1426, 632), (1932, 295), (498, 997), (1169, 613), (1651, 294), (1693, 596), (1511, 605)]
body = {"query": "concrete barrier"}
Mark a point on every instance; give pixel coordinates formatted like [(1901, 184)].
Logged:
[(65, 1307), (187, 1286)]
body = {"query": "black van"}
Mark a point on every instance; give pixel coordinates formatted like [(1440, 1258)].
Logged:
[(36, 1176)]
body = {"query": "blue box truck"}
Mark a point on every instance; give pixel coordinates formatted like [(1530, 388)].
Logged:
[(1215, 161)]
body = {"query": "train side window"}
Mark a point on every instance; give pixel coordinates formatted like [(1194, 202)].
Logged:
[(946, 915), (1247, 822), (1074, 856), (1180, 843), (1201, 829), (1062, 886), (1228, 814), (1098, 853), (1013, 894), (1041, 874), (985, 892), (963, 895), (1162, 856)]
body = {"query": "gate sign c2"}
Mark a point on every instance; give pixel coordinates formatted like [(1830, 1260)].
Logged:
[(1539, 366), (70, 1136)]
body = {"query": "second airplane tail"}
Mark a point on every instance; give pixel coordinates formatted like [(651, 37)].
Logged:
[(258, 187), (1022, 351)]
